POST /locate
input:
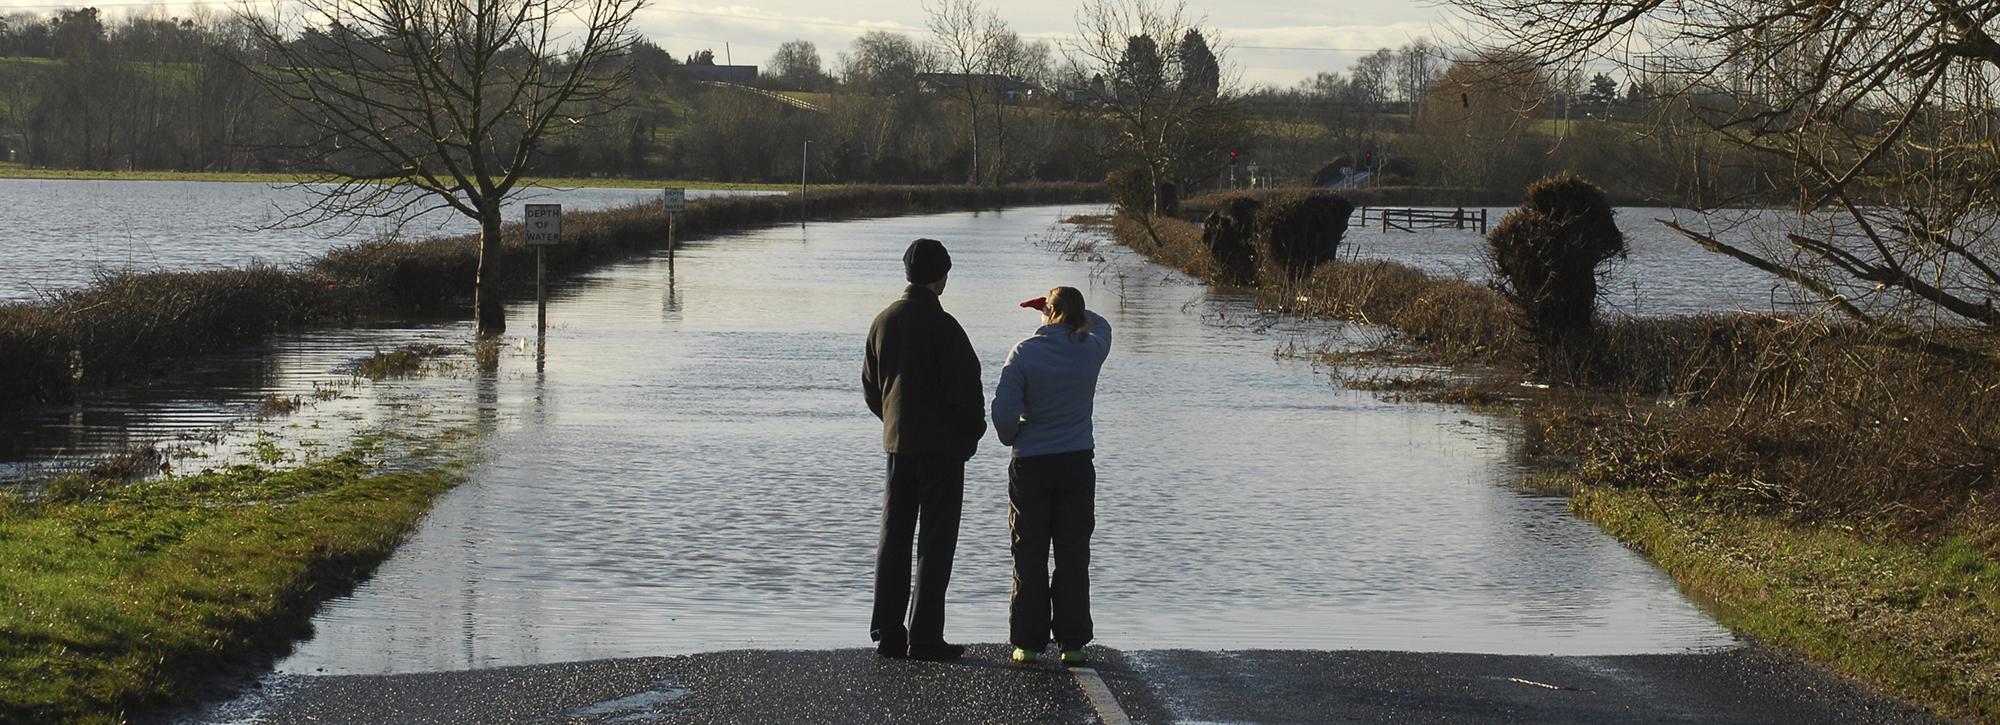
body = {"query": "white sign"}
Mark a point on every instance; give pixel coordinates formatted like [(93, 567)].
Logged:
[(677, 199), (544, 222)]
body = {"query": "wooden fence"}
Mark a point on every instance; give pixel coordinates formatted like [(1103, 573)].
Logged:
[(1410, 220)]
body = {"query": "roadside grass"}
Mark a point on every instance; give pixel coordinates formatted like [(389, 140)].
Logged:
[(118, 598), (1919, 619)]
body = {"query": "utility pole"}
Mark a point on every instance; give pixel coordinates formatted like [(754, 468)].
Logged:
[(805, 155)]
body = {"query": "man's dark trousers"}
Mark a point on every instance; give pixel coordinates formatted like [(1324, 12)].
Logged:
[(1051, 499), (930, 488)]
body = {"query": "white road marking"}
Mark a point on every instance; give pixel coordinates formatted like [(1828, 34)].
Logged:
[(1101, 699)]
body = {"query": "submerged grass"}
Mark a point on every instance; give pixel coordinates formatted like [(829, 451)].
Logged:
[(122, 597), (400, 362)]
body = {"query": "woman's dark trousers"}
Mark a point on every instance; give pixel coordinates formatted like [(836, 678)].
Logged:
[(931, 488), (1051, 499)]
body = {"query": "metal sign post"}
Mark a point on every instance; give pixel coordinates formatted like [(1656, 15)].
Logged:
[(675, 200), (544, 230)]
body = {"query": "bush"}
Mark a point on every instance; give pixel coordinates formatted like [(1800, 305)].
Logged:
[(1547, 256), (1299, 232), (1130, 191), (1227, 233)]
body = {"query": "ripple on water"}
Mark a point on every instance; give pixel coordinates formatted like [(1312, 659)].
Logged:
[(693, 469)]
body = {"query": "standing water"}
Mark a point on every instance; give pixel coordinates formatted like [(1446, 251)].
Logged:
[(691, 468), (78, 229)]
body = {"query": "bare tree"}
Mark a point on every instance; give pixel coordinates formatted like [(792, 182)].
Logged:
[(884, 64), (437, 104), (1160, 111), (966, 39), (1876, 119), (1476, 119)]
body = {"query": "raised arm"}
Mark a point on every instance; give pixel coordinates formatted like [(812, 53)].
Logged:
[(1100, 331)]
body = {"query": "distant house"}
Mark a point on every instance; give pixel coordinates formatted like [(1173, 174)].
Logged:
[(720, 73), (1013, 89)]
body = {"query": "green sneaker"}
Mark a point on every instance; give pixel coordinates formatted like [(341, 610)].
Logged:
[(1025, 657), (1074, 658)]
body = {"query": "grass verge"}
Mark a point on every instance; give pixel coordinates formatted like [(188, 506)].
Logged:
[(1918, 620), (119, 598)]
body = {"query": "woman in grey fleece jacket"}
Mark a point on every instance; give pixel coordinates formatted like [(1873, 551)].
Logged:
[(1042, 409)]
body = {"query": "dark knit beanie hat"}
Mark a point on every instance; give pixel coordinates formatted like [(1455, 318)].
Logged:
[(925, 261)]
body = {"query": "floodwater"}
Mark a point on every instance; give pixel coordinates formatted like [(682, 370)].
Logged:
[(686, 464), (62, 233), (1664, 273)]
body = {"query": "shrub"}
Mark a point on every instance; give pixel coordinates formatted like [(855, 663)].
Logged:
[(1129, 190), (1228, 234), (1299, 232), (1547, 256)]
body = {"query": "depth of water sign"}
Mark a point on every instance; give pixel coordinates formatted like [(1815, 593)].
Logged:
[(544, 222)]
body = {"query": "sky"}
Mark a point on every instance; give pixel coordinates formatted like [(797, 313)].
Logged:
[(1266, 42)]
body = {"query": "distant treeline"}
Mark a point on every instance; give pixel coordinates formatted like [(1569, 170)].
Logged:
[(146, 92)]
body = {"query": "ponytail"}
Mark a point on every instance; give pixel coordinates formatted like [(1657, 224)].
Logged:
[(1066, 306)]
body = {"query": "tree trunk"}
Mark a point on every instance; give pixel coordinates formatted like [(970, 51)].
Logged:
[(974, 179), (492, 319)]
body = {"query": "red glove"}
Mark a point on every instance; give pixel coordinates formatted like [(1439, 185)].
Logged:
[(1038, 303)]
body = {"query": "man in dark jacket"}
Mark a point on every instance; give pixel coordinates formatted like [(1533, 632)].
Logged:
[(922, 379)]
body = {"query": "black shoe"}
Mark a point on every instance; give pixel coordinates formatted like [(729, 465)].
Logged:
[(893, 647), (937, 651)]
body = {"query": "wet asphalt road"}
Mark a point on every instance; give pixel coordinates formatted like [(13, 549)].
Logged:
[(1742, 685)]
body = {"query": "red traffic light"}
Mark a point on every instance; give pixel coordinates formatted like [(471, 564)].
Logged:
[(1232, 154)]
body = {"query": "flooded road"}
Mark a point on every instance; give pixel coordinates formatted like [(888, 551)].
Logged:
[(691, 468)]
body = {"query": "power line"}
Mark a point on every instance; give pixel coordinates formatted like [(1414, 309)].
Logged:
[(724, 16)]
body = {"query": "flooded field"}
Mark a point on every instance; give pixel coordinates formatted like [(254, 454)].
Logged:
[(688, 466), (69, 231), (1664, 274)]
